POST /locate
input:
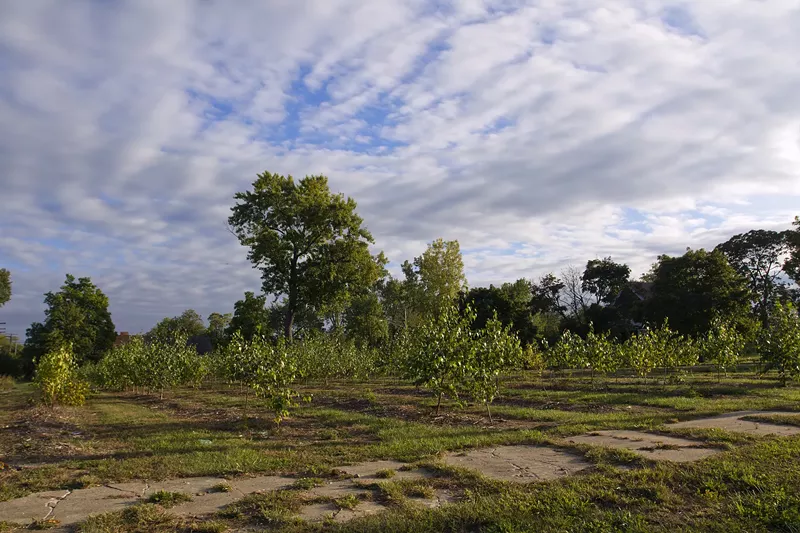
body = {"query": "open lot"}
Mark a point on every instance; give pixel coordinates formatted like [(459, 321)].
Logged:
[(562, 454)]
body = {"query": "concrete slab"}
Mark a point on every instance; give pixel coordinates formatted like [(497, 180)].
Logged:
[(250, 485), (367, 472), (733, 422), (318, 512), (79, 504), (522, 464), (25, 510), (188, 485), (657, 447), (206, 503), (441, 498), (363, 509), (335, 490)]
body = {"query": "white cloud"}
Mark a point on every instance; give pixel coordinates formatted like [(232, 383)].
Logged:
[(535, 127)]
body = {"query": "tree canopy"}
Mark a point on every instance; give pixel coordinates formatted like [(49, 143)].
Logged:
[(308, 242), (188, 324), (5, 286), (604, 279), (692, 289), (250, 316), (78, 315), (759, 256)]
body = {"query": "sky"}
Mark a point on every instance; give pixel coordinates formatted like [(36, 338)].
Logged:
[(537, 133)]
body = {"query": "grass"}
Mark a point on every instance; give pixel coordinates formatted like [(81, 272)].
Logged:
[(754, 485), (167, 499)]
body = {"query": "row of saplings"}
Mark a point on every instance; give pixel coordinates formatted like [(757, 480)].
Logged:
[(445, 355)]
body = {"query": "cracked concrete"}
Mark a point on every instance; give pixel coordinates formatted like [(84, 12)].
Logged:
[(519, 463), (734, 422), (652, 446)]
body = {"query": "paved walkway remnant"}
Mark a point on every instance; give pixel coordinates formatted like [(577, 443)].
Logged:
[(652, 446), (519, 463), (735, 422)]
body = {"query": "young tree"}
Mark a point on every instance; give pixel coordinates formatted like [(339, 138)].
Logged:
[(305, 240), (759, 256), (692, 289), (604, 279), (510, 303), (496, 350), (722, 345), (779, 343), (441, 349), (77, 315), (5, 286), (250, 317)]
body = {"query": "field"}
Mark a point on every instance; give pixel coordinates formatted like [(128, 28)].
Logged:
[(743, 480)]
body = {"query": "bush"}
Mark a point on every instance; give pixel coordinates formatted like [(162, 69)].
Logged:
[(57, 380)]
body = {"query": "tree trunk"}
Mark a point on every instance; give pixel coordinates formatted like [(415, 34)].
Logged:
[(291, 307), (489, 411), (439, 403), (288, 323)]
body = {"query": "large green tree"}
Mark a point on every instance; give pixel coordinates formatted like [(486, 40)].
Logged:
[(692, 289), (250, 316), (308, 242), (77, 314), (188, 324), (604, 279), (759, 256), (510, 304), (5, 286)]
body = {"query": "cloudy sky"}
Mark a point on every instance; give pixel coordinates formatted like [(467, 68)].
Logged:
[(538, 133)]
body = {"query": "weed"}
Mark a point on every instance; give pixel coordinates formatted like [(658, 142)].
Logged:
[(168, 499), (387, 473), (348, 502), (306, 483), (222, 487)]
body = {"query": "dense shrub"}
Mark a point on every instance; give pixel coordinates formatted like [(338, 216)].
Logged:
[(57, 380)]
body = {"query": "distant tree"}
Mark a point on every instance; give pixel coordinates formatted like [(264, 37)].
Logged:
[(440, 270), (604, 279), (217, 324), (574, 298), (188, 324), (5, 286), (365, 321), (400, 299), (759, 256), (77, 315), (509, 303), (792, 264), (545, 295), (309, 243), (250, 315), (692, 289)]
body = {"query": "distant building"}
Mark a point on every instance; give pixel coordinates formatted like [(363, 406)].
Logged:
[(122, 338)]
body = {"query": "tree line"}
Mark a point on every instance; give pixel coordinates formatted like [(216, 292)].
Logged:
[(321, 283)]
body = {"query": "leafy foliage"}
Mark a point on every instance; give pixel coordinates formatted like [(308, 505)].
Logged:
[(723, 345), (250, 317), (779, 343), (758, 255), (5, 286), (496, 350), (308, 242), (56, 378), (440, 352), (187, 324), (604, 278), (77, 315), (692, 289)]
